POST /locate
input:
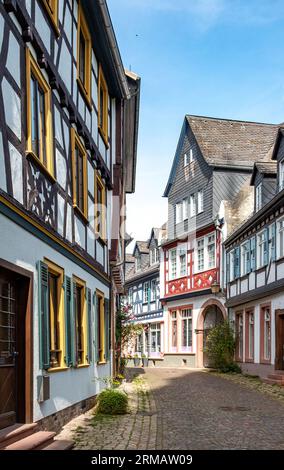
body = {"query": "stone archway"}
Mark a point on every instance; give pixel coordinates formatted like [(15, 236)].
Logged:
[(211, 313)]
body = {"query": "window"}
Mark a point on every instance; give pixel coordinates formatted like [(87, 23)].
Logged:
[(281, 175), (179, 212), (137, 263), (103, 106), (265, 335), (84, 59), (173, 264), (200, 254), (153, 290), (100, 208), (200, 201), (155, 338), (262, 239), (100, 315), (250, 335), (192, 205), (191, 158), (39, 123), (280, 238), (232, 265), (174, 330), (185, 159), (182, 263), (146, 292), (186, 329), (258, 197), (185, 209), (56, 315), (80, 321), (245, 258), (51, 7), (154, 256), (211, 251), (130, 295), (240, 336), (79, 172)]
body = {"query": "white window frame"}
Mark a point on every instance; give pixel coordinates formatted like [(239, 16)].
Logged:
[(186, 317), (260, 249), (185, 159), (173, 263), (185, 209), (206, 244), (179, 210), (267, 335), (182, 272), (200, 248), (155, 331), (153, 290), (245, 251), (251, 335), (146, 288), (232, 265), (281, 174), (280, 238), (191, 157), (258, 197), (200, 201), (192, 205)]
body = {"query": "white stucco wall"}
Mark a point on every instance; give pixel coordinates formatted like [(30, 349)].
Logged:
[(73, 385)]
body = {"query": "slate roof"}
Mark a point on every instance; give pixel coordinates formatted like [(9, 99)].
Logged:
[(129, 258), (228, 143), (265, 168), (142, 246)]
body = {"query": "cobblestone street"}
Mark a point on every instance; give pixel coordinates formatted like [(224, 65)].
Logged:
[(185, 409)]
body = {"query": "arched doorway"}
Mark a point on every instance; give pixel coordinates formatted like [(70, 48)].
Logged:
[(211, 314)]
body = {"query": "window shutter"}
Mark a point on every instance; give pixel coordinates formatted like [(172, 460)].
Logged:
[(96, 323), (107, 330), (265, 254), (69, 321), (90, 326), (273, 242), (43, 297), (75, 355), (252, 252), (237, 262)]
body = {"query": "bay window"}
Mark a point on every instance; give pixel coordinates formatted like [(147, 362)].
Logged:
[(205, 255), (200, 255)]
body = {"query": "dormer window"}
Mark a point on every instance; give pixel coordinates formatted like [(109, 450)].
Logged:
[(138, 263), (154, 256), (258, 197), (281, 175)]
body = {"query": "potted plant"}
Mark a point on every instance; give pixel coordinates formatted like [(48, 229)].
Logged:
[(136, 360), (145, 360)]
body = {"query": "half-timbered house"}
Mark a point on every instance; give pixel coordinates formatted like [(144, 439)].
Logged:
[(68, 135), (143, 295), (212, 168), (255, 273)]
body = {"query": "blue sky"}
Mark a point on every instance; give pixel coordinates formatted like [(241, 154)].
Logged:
[(222, 58)]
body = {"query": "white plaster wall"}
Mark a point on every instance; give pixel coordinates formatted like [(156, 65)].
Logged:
[(260, 279), (73, 385), (280, 271)]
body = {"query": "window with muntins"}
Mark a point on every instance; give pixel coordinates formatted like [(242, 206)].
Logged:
[(155, 337), (200, 201), (100, 316), (182, 263), (280, 238), (245, 258), (100, 203), (39, 122), (186, 328), (262, 248), (258, 197), (79, 290), (173, 264), (146, 292), (79, 173), (103, 106), (153, 290), (84, 57)]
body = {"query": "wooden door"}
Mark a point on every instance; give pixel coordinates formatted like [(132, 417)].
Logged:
[(8, 349), (279, 332)]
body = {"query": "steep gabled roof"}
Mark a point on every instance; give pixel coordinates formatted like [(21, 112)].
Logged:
[(142, 247), (265, 168), (227, 143)]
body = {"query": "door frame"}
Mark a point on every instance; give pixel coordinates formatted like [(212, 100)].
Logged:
[(25, 407), (278, 362)]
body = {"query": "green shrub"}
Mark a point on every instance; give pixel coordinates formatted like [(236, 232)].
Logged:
[(112, 402), (220, 348)]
